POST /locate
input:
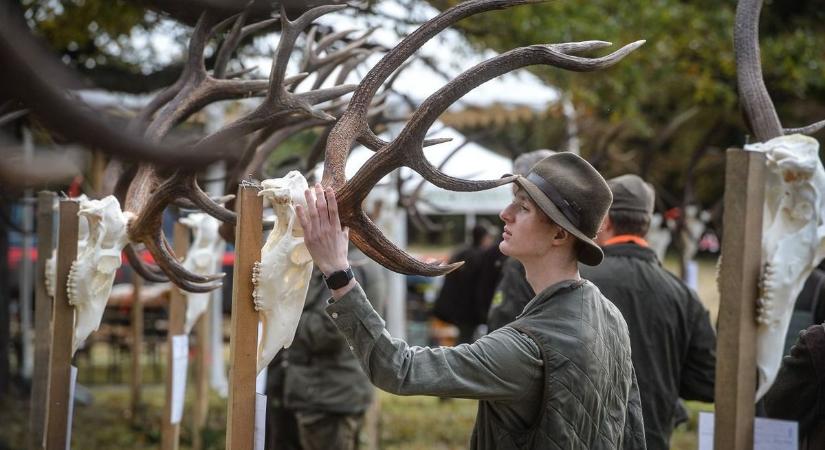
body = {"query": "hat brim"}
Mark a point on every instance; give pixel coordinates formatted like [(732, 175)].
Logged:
[(589, 253)]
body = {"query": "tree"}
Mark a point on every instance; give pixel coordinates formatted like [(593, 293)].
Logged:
[(672, 108)]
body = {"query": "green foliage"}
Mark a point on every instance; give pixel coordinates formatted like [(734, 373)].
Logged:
[(89, 32)]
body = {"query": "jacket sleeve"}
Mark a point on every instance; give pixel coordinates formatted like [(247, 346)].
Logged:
[(799, 383), (504, 365), (699, 370)]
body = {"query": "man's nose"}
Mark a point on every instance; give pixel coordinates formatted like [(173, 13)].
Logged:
[(505, 214)]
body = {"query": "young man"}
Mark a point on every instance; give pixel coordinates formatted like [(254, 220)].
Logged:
[(560, 375), (674, 345)]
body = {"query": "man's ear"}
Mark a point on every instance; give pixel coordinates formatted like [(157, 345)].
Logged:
[(561, 235), (607, 225)]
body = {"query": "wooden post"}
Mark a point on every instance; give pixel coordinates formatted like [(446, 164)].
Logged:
[(738, 278), (136, 326), (170, 433), (202, 357), (60, 352), (243, 341), (42, 317)]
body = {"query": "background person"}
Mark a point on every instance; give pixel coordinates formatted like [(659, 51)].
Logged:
[(673, 341)]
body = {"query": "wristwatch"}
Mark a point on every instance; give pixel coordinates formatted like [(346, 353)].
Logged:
[(339, 279)]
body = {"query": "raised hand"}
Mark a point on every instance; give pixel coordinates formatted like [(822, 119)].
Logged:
[(323, 235)]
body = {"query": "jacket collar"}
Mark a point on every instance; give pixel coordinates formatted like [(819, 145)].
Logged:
[(549, 292), (630, 250)]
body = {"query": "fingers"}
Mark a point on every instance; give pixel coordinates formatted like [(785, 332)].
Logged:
[(332, 207), (312, 211), (321, 206)]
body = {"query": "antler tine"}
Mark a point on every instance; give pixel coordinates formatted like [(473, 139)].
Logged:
[(208, 205), (369, 239), (808, 130), (147, 272), (308, 53), (753, 95), (353, 122), (229, 45), (289, 33), (345, 52), (162, 251), (371, 141), (332, 38), (358, 56)]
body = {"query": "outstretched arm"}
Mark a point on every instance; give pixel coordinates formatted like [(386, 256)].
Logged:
[(505, 365)]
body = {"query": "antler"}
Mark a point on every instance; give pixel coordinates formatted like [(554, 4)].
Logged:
[(406, 148), (756, 101)]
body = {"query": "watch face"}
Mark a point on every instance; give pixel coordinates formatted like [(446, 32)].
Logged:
[(339, 279)]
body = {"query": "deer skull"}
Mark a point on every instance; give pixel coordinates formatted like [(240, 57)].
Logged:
[(281, 278), (93, 271), (201, 258), (793, 241)]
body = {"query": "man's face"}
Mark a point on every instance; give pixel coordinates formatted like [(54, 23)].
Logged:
[(528, 232)]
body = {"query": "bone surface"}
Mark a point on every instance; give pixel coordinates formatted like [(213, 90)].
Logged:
[(281, 278), (202, 258), (93, 272), (793, 241)]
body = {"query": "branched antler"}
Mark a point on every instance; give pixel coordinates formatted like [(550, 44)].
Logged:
[(407, 148), (151, 190)]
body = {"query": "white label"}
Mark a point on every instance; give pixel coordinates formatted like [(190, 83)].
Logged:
[(72, 384), (768, 434), (180, 362), (260, 421)]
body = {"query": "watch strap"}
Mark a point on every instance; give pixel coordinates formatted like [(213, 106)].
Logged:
[(339, 279)]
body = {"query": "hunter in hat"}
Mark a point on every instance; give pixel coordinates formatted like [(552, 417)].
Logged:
[(561, 374)]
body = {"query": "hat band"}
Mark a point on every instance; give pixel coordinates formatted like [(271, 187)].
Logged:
[(570, 210)]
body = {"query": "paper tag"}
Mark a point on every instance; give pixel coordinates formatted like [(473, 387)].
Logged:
[(768, 434), (180, 362), (72, 384), (260, 421)]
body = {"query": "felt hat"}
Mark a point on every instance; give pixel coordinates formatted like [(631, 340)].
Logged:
[(573, 195)]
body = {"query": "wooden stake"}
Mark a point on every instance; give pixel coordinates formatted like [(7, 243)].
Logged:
[(202, 358), (136, 319), (60, 352), (170, 433), (243, 341), (42, 317), (738, 278)]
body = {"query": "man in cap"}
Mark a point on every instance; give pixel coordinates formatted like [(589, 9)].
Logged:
[(561, 375), (670, 331)]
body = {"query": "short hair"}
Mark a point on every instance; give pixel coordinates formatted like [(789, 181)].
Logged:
[(636, 223)]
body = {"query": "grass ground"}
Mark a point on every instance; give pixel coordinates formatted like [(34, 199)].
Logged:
[(406, 423)]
